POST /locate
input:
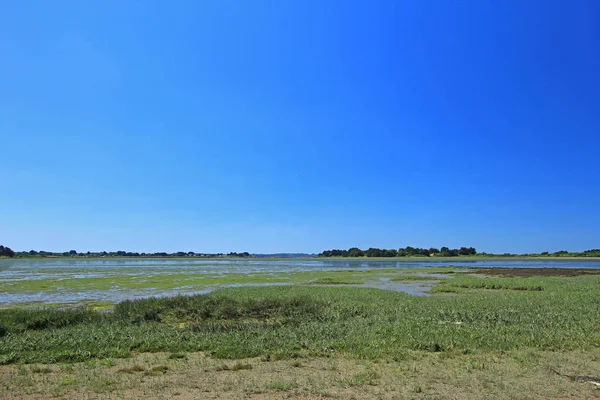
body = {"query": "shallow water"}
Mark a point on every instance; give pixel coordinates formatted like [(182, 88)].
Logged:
[(55, 270)]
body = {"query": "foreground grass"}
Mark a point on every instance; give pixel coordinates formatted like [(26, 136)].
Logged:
[(497, 314)]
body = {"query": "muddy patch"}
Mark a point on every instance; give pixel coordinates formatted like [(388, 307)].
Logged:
[(528, 272)]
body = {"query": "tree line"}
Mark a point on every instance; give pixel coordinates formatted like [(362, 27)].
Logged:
[(7, 252), (446, 252), (408, 251), (351, 252)]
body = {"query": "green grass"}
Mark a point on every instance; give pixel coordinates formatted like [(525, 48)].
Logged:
[(334, 281), (456, 284), (284, 322)]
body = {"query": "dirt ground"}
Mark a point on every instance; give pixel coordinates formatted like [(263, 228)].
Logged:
[(529, 272), (422, 375)]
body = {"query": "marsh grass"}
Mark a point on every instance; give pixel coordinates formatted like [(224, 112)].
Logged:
[(334, 281), (512, 283), (278, 323), (22, 320)]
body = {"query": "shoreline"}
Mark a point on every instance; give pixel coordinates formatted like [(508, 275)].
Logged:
[(366, 259)]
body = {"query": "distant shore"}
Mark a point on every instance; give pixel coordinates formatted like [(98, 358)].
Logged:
[(412, 258)]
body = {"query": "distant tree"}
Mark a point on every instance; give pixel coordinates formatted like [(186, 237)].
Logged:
[(374, 252), (72, 253), (6, 251), (390, 253), (355, 252), (464, 251)]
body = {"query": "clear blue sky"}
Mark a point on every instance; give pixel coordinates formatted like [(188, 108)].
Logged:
[(297, 126)]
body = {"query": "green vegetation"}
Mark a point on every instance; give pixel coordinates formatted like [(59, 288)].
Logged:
[(334, 281), (495, 314), (410, 251), (401, 252), (561, 253), (6, 252), (465, 282), (102, 254), (407, 251)]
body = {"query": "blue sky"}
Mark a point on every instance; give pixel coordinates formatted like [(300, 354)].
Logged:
[(276, 126)]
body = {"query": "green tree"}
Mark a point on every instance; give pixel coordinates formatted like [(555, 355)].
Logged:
[(6, 251), (374, 252), (390, 253), (355, 252)]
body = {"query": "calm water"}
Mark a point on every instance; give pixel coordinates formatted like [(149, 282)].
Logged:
[(57, 269)]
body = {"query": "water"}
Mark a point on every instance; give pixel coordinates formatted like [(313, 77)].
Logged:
[(55, 270)]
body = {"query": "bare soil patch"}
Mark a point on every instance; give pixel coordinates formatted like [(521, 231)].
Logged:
[(528, 272), (421, 375)]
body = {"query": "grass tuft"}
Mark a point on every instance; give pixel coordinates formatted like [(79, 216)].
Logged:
[(132, 369), (235, 367)]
